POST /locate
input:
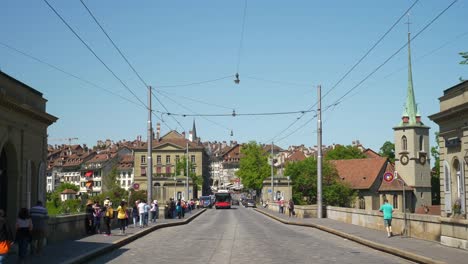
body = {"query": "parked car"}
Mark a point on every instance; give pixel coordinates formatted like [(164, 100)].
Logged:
[(250, 203), (235, 202)]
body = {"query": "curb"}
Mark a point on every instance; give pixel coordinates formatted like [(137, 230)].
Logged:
[(126, 240), (381, 247)]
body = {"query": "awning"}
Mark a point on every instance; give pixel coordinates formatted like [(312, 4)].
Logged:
[(89, 184), (88, 174)]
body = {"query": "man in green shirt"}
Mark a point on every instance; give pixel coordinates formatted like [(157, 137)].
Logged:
[(387, 210)]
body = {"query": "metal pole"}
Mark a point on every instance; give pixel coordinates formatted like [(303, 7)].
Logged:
[(319, 154), (187, 164), (150, 152), (404, 210), (272, 186)]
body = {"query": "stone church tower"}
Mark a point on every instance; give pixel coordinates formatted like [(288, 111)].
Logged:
[(412, 151)]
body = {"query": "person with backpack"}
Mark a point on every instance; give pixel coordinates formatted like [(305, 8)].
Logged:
[(97, 217), (291, 208)]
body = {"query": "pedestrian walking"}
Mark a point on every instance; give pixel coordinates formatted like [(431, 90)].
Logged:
[(291, 208), (135, 214), (146, 212), (89, 220), (122, 216), (108, 215), (154, 211), (387, 210), (97, 214), (39, 216), (23, 233), (141, 212), (6, 237)]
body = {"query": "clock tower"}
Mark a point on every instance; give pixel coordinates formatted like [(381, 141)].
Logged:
[(412, 151)]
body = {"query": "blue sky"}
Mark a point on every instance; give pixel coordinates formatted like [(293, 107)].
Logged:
[(288, 48)]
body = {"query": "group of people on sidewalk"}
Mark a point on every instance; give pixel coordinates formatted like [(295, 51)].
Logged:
[(31, 228), (290, 206), (177, 209)]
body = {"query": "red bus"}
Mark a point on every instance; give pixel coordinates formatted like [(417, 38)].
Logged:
[(223, 199)]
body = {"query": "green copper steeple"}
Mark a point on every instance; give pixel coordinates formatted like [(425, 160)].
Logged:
[(410, 113)]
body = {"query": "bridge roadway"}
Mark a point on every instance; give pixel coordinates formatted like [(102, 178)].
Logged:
[(241, 235)]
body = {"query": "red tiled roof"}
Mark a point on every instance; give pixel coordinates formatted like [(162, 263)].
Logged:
[(296, 156), (370, 153), (359, 173)]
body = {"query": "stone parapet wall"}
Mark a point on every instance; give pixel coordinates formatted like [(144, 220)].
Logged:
[(420, 226), (454, 232)]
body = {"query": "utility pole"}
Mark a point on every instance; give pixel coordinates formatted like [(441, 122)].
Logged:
[(150, 151), (272, 186), (187, 164), (319, 153)]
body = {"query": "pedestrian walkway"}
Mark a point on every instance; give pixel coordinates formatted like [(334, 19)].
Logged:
[(86, 248), (413, 249)]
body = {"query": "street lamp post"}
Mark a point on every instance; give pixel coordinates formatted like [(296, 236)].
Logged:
[(272, 186)]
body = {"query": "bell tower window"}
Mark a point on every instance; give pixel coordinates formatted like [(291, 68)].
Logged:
[(404, 143), (421, 141)]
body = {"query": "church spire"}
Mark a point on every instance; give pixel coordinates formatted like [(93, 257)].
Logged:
[(410, 113), (194, 131)]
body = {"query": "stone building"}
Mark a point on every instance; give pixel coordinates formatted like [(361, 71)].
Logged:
[(23, 144)]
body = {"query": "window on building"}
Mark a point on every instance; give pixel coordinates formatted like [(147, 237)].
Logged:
[(143, 159), (404, 143), (143, 171), (168, 159), (158, 170), (421, 141), (177, 158), (168, 170), (362, 203), (192, 159), (158, 159), (395, 201), (129, 182)]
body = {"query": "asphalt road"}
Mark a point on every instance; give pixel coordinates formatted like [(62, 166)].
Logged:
[(241, 235)]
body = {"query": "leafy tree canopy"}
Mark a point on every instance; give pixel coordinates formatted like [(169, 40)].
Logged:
[(345, 152), (435, 173), (253, 167), (465, 57), (388, 150), (304, 183)]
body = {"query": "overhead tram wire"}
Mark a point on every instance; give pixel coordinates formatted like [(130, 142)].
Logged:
[(75, 76), (124, 57), (353, 67), (380, 66), (241, 43), (234, 114), (194, 83), (181, 105), (194, 100), (94, 53)]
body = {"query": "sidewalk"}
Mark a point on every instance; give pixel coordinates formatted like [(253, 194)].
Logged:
[(420, 251), (89, 247)]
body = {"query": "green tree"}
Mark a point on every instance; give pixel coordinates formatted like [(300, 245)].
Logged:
[(345, 152), (55, 195), (435, 173), (110, 181), (304, 184), (464, 61), (253, 166), (388, 150), (181, 169)]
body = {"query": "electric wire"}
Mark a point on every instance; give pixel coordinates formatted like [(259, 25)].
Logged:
[(380, 66), (94, 53), (75, 76), (241, 37), (193, 100), (353, 67), (194, 83), (234, 114), (183, 106), (124, 57)]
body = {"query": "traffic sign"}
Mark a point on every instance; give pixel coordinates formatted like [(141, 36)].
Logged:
[(388, 177), (136, 185), (269, 190)]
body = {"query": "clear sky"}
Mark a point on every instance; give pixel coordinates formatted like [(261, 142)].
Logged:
[(288, 48)]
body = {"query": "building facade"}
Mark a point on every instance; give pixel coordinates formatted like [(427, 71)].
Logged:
[(23, 145)]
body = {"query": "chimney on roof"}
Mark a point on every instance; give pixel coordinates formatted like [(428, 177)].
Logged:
[(158, 131)]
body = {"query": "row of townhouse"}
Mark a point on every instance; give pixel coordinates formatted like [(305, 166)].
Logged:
[(87, 169)]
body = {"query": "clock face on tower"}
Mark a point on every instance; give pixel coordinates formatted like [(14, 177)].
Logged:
[(404, 159), (422, 159)]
